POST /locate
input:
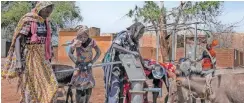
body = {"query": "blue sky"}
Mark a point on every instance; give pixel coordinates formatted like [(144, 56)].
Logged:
[(109, 15)]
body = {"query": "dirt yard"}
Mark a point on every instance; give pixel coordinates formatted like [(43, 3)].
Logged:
[(10, 95)]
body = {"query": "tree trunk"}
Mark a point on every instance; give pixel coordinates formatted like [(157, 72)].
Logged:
[(167, 44), (164, 44)]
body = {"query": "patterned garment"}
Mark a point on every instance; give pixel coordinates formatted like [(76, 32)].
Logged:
[(9, 67), (36, 77), (84, 54), (41, 32), (83, 78), (115, 73), (39, 81)]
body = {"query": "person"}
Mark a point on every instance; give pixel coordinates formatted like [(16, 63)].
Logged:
[(82, 78), (208, 57), (30, 55), (116, 81)]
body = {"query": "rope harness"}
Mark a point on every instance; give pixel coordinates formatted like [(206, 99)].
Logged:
[(207, 88)]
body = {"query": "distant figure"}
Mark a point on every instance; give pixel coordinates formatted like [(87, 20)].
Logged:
[(209, 56)]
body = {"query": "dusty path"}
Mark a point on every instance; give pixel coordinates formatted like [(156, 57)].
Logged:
[(10, 95)]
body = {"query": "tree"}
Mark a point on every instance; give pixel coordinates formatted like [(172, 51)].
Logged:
[(66, 14), (166, 22)]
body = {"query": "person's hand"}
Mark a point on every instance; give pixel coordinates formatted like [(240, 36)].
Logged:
[(77, 62), (18, 64), (193, 61), (90, 64), (76, 43), (152, 67), (135, 53)]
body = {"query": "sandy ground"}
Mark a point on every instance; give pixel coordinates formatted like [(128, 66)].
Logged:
[(10, 95)]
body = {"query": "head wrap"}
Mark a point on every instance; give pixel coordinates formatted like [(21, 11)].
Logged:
[(83, 30), (135, 29), (41, 5), (214, 43), (33, 17)]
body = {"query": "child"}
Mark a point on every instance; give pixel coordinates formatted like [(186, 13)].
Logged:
[(83, 79)]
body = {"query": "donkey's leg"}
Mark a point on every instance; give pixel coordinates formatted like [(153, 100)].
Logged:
[(88, 94), (80, 96)]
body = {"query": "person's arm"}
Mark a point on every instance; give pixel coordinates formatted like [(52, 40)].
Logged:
[(71, 56), (25, 30), (98, 53), (121, 49), (18, 51), (150, 67)]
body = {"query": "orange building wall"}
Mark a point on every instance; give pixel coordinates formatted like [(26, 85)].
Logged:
[(64, 36), (225, 57)]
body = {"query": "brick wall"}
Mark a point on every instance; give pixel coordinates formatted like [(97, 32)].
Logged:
[(93, 31), (225, 57), (180, 53), (148, 41), (149, 53), (238, 41)]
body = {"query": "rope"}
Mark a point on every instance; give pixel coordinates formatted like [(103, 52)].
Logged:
[(207, 88)]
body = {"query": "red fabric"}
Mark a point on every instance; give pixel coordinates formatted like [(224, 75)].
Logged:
[(35, 39), (212, 52), (126, 89), (206, 64), (48, 41), (167, 66), (147, 72)]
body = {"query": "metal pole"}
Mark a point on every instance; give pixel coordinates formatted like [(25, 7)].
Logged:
[(195, 43), (137, 92), (157, 51), (185, 45), (173, 46), (93, 66)]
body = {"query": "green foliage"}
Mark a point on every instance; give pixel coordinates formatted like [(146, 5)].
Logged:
[(152, 12), (202, 7), (14, 12), (149, 12), (186, 12), (65, 14), (203, 10)]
